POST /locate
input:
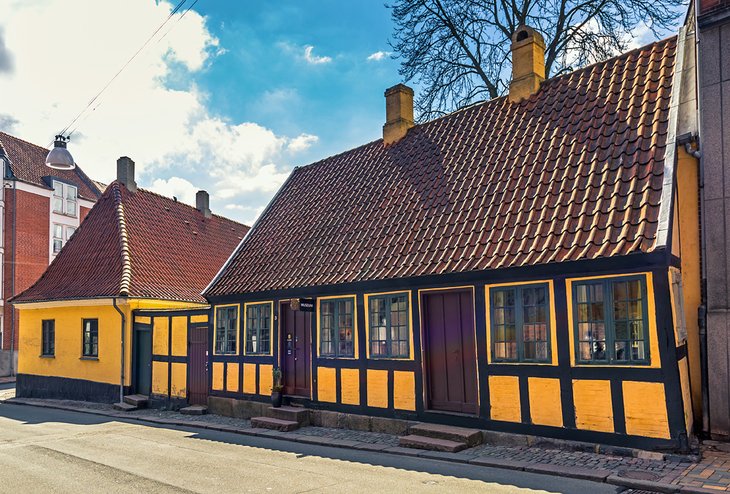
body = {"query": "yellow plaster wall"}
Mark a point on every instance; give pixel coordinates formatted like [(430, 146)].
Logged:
[(689, 233), (504, 398), (143, 319), (645, 409), (327, 384), (377, 388), (350, 386), (179, 382), (199, 318), (160, 336), (404, 390), (232, 377), (593, 405), (266, 379), (249, 378), (545, 404), (180, 336), (217, 383), (159, 378)]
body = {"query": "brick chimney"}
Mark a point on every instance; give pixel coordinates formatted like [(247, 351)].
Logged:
[(202, 203), (125, 173), (398, 113), (528, 63)]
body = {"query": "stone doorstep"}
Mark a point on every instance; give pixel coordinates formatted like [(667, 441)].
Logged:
[(274, 424), (292, 414), (125, 407), (140, 401), (470, 437), (194, 410), (431, 443)]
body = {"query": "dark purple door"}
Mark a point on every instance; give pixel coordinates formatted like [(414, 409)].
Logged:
[(296, 328), (450, 351), (198, 371)]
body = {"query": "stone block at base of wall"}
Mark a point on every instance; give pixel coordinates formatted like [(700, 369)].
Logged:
[(240, 409), (8, 362)]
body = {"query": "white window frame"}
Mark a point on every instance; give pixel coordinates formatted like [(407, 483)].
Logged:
[(68, 195), (56, 238)]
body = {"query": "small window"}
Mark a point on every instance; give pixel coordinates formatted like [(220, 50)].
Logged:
[(226, 330), (48, 337), (337, 319), (69, 232), (389, 326), (91, 338), (520, 323), (611, 321), (57, 238), (65, 198), (258, 329)]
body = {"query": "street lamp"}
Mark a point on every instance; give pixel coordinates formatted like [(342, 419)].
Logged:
[(59, 158)]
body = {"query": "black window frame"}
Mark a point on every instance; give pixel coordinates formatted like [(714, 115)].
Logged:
[(228, 344), (90, 338), (48, 338), (609, 322), (388, 341), (335, 324), (519, 318), (254, 325)]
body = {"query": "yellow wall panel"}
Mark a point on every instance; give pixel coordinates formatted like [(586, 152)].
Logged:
[(249, 378), (645, 408), (327, 384), (232, 377), (218, 376), (266, 379), (180, 336), (159, 378), (179, 383), (404, 390), (143, 320), (593, 405), (545, 404), (504, 398), (350, 386), (160, 336), (377, 388), (199, 318)]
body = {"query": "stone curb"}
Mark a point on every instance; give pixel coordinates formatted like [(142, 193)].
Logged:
[(595, 475)]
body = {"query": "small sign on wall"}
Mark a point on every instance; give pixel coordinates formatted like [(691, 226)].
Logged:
[(302, 304)]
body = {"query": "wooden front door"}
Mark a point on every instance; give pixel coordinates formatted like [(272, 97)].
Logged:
[(450, 351), (295, 348), (142, 354), (198, 365)]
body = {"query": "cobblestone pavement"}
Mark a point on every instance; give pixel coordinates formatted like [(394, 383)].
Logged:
[(712, 472)]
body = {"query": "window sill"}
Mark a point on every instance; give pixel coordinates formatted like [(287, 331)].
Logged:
[(337, 357), (89, 358), (46, 356)]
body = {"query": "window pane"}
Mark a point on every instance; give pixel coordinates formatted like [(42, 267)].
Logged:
[(71, 192)]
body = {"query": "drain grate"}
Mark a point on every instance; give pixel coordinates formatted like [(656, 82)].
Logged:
[(638, 475)]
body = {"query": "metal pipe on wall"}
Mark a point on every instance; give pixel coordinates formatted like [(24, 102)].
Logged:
[(121, 369)]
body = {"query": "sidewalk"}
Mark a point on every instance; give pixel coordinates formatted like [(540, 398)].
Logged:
[(672, 474)]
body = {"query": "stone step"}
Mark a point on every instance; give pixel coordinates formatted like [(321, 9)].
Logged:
[(140, 401), (293, 414), (430, 443), (194, 410), (274, 424), (470, 437), (125, 407)]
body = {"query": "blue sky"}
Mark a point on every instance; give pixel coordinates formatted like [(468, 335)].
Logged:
[(228, 98)]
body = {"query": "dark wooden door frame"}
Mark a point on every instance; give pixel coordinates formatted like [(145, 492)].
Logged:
[(422, 295), (284, 306), (135, 354)]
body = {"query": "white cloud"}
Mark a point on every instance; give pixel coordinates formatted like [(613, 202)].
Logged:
[(379, 55), (314, 59), (178, 144)]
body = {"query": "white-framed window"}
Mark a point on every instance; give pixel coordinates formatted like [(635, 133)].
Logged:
[(57, 238), (69, 231), (65, 199)]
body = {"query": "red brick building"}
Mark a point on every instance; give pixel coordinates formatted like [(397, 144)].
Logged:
[(40, 208)]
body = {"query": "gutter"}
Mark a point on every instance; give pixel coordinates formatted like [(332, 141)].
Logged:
[(121, 368)]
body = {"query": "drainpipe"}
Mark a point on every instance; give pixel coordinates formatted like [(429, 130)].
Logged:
[(12, 279), (121, 369)]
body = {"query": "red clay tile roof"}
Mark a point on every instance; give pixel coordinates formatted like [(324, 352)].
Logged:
[(142, 245), (28, 163), (574, 172)]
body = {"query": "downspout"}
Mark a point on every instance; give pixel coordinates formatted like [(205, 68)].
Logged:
[(121, 368), (12, 279)]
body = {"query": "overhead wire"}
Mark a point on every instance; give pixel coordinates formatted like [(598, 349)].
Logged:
[(174, 11)]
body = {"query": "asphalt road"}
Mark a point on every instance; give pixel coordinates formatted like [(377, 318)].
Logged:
[(44, 450)]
